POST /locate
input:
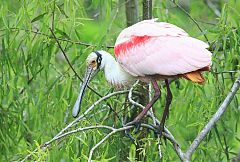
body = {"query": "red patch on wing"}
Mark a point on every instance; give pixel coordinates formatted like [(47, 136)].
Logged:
[(134, 41)]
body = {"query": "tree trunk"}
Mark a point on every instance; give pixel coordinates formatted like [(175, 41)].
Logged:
[(147, 9), (131, 12)]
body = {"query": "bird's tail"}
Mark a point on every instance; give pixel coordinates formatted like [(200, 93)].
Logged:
[(195, 76)]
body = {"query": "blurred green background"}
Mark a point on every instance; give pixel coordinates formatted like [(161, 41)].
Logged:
[(38, 89)]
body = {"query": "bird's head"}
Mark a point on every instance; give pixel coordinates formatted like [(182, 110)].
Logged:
[(94, 63), (94, 60)]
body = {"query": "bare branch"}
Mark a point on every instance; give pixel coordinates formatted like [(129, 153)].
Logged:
[(78, 130), (130, 96), (105, 138), (213, 120)]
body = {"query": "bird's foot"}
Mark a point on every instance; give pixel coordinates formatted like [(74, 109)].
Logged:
[(136, 123), (159, 130)]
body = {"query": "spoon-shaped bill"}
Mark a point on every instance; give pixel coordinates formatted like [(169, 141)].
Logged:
[(77, 105)]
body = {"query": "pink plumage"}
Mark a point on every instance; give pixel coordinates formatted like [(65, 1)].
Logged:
[(159, 48)]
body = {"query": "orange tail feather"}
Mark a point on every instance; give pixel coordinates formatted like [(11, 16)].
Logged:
[(195, 76)]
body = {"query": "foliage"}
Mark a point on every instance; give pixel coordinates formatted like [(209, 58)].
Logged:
[(38, 89)]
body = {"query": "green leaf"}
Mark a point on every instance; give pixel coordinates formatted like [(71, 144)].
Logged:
[(59, 31), (38, 17)]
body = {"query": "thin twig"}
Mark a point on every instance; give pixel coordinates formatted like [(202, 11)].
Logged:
[(31, 79), (130, 96), (182, 9), (105, 138), (213, 120), (69, 63), (60, 39), (227, 71), (77, 130)]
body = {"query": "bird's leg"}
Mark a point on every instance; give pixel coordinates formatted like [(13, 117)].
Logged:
[(137, 120), (129, 135), (166, 109)]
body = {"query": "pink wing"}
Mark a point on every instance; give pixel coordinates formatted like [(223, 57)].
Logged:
[(150, 47)]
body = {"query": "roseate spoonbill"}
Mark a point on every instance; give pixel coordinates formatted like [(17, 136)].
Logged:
[(150, 51)]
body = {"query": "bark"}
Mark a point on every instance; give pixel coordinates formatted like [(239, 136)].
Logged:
[(147, 9), (131, 12)]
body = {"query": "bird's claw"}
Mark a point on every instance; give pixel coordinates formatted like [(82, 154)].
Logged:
[(136, 123), (158, 131)]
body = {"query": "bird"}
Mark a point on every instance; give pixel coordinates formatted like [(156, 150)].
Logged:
[(149, 51)]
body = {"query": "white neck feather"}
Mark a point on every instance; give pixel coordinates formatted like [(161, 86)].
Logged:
[(114, 73)]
